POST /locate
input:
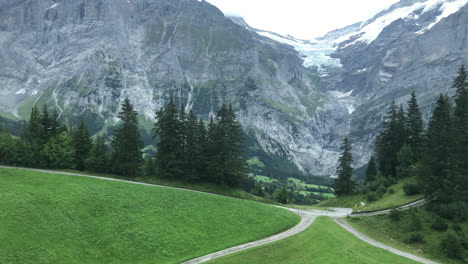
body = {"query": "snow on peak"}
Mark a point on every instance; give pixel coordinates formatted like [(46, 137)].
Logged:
[(370, 32)]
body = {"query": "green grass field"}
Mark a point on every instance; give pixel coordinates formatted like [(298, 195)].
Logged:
[(47, 218), (397, 233), (265, 179), (395, 199), (323, 242)]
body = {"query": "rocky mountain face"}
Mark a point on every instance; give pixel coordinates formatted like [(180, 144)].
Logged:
[(296, 99), (414, 45)]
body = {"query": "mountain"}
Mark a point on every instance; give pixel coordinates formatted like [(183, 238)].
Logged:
[(411, 46), (296, 99), (85, 57)]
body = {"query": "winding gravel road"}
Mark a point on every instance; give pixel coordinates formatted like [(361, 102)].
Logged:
[(307, 218)]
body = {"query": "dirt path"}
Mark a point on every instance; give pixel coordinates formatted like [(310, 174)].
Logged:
[(414, 204), (374, 243)]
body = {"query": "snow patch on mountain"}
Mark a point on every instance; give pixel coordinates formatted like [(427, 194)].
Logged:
[(370, 32)]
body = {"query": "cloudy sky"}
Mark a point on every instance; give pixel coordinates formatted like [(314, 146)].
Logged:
[(304, 19)]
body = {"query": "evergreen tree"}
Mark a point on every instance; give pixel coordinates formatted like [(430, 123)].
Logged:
[(126, 143), (227, 162), (83, 144), (461, 126), (45, 124), (371, 171), (343, 184), (390, 141), (414, 127), (31, 149), (99, 158), (405, 159), (438, 177), (169, 155), (55, 125), (201, 141), (33, 130), (192, 148)]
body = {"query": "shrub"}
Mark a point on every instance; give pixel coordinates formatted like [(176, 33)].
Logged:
[(415, 237), (391, 191), (455, 211), (451, 246), (415, 223), (372, 197), (387, 182), (411, 188), (381, 191), (395, 215), (439, 224)]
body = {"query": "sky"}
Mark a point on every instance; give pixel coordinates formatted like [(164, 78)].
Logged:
[(304, 19)]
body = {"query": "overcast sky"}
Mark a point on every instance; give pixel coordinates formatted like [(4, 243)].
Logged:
[(304, 19)]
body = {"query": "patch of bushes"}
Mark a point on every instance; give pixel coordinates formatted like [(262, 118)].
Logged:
[(457, 211), (415, 223), (415, 237), (451, 246), (411, 188), (439, 224), (395, 215)]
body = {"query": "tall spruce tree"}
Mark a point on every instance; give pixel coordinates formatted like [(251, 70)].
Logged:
[(227, 161), (33, 130), (83, 144), (405, 158), (99, 158), (126, 143), (55, 125), (414, 128), (343, 184), (439, 177), (169, 155), (45, 123), (390, 141), (371, 171), (192, 148), (461, 126)]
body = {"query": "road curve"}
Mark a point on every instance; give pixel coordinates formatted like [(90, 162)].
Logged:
[(375, 243), (414, 204)]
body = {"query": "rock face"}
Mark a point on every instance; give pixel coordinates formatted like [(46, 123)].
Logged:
[(85, 56)]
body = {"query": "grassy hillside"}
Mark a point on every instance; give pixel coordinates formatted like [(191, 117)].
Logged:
[(323, 242), (391, 199), (400, 233), (46, 218)]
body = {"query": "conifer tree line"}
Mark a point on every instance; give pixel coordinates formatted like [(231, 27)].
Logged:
[(437, 158), (187, 150)]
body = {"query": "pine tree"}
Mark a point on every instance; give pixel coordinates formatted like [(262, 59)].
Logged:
[(169, 155), (371, 171), (55, 125), (83, 144), (33, 131), (414, 127), (405, 159), (126, 143), (461, 126), (227, 162), (33, 140), (192, 148), (343, 184), (99, 158), (438, 177), (45, 123), (390, 141)]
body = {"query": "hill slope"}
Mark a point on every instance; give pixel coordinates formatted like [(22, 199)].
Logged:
[(48, 218)]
